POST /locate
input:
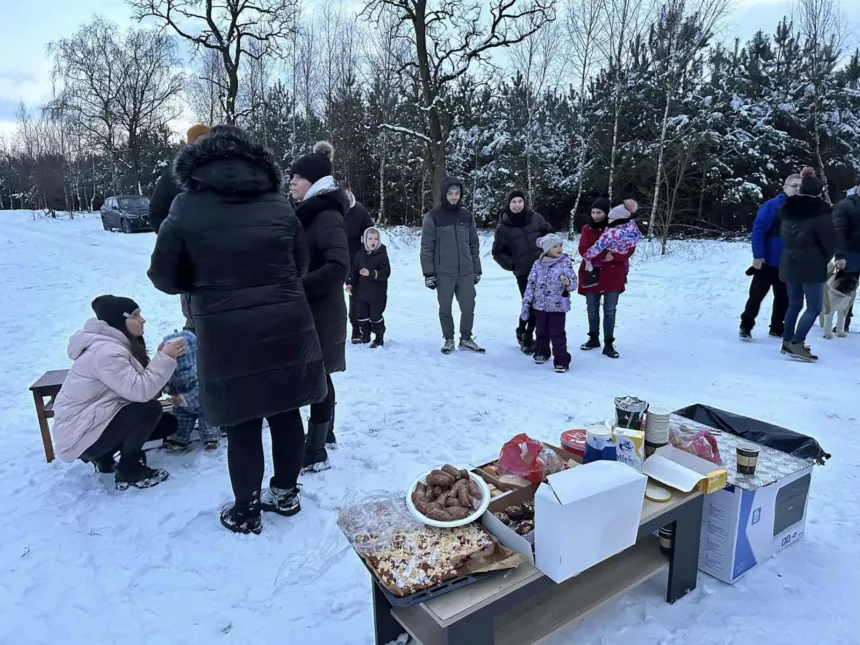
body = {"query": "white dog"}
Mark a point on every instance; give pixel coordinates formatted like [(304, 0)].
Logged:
[(839, 293)]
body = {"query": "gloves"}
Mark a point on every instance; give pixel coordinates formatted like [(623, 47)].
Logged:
[(524, 315), (430, 281), (477, 278)]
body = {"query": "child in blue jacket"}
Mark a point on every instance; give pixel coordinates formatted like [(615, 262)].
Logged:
[(185, 390)]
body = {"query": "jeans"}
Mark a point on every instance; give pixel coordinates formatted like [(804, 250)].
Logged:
[(246, 461), (763, 281), (610, 304), (796, 331), (526, 326), (550, 330), (463, 287), (133, 426)]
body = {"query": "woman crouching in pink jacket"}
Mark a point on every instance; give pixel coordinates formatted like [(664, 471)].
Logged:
[(108, 402)]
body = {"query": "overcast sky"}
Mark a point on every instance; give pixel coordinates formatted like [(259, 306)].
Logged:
[(27, 26)]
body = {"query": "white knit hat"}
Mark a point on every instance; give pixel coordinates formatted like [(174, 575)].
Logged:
[(619, 212), (549, 241)]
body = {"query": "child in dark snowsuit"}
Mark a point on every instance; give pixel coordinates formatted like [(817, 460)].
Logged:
[(185, 390), (368, 280)]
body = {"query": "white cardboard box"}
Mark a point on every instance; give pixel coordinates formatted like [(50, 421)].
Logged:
[(684, 471), (742, 528), (585, 515)]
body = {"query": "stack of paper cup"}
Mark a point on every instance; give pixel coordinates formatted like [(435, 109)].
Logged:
[(657, 427)]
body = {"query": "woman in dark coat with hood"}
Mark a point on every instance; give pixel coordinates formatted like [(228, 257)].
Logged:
[(321, 206), (233, 242), (515, 249), (808, 243)]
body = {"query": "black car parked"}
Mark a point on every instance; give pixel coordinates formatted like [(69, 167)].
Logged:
[(128, 213)]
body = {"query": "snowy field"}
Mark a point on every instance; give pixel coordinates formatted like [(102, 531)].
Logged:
[(83, 564)]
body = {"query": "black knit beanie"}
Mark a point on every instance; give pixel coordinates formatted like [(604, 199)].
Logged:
[(811, 186), (517, 193), (114, 310), (601, 204), (316, 165)]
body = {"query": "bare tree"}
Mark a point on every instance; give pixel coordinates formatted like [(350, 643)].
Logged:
[(446, 37), (306, 73), (677, 40), (622, 21), (538, 58), (229, 27), (583, 23), (821, 27), (207, 88)]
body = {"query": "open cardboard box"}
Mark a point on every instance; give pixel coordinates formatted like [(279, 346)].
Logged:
[(684, 471), (583, 516)]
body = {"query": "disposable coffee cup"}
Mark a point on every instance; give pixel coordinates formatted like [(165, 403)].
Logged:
[(747, 457), (667, 539), (630, 412), (651, 448)]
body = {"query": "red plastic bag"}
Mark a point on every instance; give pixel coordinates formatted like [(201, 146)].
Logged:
[(528, 458), (697, 442)]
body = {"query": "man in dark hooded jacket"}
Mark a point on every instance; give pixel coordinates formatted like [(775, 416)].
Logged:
[(515, 249), (451, 263), (166, 190)]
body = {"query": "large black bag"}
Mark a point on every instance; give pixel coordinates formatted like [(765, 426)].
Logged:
[(766, 434)]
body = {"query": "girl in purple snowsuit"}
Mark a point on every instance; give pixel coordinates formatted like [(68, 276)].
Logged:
[(548, 292)]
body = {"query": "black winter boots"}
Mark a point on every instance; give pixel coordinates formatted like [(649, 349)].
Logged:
[(243, 518), (526, 342), (593, 342), (316, 457), (609, 348)]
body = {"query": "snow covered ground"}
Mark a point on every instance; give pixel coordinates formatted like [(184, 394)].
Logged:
[(81, 563)]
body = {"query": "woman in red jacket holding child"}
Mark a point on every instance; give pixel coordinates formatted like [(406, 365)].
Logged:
[(606, 278)]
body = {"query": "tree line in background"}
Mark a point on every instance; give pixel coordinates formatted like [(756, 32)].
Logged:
[(568, 99)]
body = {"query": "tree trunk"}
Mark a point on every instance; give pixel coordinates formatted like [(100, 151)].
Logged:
[(816, 116), (382, 155), (655, 199), (614, 152), (583, 147), (429, 92)]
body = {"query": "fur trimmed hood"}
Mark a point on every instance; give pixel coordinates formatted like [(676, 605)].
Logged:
[(227, 161)]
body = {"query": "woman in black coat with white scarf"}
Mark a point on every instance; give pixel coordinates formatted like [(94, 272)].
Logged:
[(321, 206), (233, 242)]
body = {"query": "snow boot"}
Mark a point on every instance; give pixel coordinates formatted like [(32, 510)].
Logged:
[(773, 333), (593, 342), (378, 341), (175, 447), (469, 344), (744, 333), (561, 369), (801, 352), (316, 457), (104, 465), (378, 329), (210, 445), (138, 476), (539, 359), (243, 518), (364, 328), (283, 501), (786, 347), (356, 335), (609, 348), (448, 347), (528, 344)]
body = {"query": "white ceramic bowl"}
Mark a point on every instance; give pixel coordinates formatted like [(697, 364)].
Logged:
[(485, 502)]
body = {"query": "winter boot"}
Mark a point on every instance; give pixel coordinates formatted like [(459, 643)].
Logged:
[(593, 342), (212, 444), (378, 335), (786, 347), (243, 518), (773, 333), (609, 348), (283, 501), (801, 352), (469, 344), (316, 457), (364, 328), (540, 359), (138, 476), (528, 344), (744, 333), (174, 447), (561, 369), (448, 347), (330, 439), (356, 335)]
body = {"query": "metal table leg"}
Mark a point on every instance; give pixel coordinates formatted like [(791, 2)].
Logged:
[(684, 563), (385, 626)]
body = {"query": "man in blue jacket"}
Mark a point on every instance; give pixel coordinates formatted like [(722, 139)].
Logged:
[(767, 249)]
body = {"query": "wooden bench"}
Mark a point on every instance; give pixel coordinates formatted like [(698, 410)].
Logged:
[(45, 392), (524, 606)]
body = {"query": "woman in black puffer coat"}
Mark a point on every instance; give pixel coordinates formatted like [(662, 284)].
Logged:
[(808, 241), (321, 207), (233, 242), (515, 249)]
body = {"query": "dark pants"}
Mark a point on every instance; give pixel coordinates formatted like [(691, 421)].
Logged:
[(133, 426), (764, 280), (324, 410), (245, 454), (797, 330), (185, 303), (550, 330), (527, 326), (369, 315), (610, 304), (353, 315), (463, 288)]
